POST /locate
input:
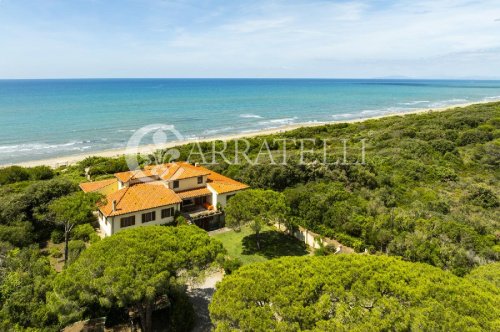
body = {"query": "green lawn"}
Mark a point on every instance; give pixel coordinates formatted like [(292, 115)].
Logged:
[(273, 244)]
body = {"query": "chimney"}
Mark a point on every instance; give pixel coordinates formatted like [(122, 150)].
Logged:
[(196, 164), (114, 206)]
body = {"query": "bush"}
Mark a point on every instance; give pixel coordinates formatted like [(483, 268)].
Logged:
[(57, 236), (41, 173), (55, 252), (19, 233), (482, 196), (83, 232), (231, 264), (443, 145), (93, 238), (180, 220), (75, 248), (474, 136), (325, 250), (13, 174)]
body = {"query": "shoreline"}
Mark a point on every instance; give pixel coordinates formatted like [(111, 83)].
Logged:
[(147, 149)]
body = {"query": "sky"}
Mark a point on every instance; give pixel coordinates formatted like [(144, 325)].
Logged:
[(255, 38)]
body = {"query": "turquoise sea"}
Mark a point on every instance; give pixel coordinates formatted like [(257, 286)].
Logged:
[(41, 119)]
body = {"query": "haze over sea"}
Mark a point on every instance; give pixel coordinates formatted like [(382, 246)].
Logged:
[(43, 119)]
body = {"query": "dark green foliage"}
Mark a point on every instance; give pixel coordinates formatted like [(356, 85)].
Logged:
[(41, 173), (75, 248), (13, 174), (231, 264), (443, 145), (26, 278), (102, 165), (351, 293), (474, 136), (18, 233), (424, 175), (29, 206), (72, 210), (83, 232), (130, 270), (273, 244), (57, 236), (483, 197), (256, 208), (325, 250), (181, 314)]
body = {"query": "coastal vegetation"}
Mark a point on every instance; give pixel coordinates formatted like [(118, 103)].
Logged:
[(351, 293), (425, 192)]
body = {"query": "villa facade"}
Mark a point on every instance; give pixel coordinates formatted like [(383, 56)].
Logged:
[(156, 194)]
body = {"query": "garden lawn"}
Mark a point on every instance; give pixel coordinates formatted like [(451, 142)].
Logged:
[(274, 243)]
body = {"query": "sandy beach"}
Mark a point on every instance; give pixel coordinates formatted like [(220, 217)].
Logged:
[(147, 149)]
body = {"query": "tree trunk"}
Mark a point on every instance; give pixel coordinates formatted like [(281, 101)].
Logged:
[(146, 313), (258, 240), (66, 242)]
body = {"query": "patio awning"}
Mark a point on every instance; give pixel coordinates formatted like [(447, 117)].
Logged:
[(193, 193)]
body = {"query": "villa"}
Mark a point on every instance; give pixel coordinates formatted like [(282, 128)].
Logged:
[(156, 194)]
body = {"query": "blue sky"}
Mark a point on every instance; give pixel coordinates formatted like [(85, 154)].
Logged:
[(269, 38)]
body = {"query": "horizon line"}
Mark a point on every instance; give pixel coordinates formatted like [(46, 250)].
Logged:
[(259, 78)]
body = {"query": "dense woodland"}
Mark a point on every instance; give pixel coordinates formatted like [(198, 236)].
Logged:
[(427, 193), (353, 293)]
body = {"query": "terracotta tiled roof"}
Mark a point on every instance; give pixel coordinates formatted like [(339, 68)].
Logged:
[(131, 175), (194, 193), (150, 195), (171, 171), (222, 184), (97, 185), (139, 197), (182, 170)]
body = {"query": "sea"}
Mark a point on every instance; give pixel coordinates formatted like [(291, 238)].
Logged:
[(41, 119)]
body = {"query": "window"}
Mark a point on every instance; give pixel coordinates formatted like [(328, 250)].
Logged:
[(149, 216), (165, 213), (127, 221), (200, 179), (176, 184)]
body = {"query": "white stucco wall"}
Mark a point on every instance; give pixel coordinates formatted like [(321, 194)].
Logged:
[(114, 222), (104, 226), (219, 198)]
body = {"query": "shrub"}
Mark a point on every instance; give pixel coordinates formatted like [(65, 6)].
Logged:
[(180, 220), (57, 236), (482, 196), (474, 136), (83, 232), (75, 248), (443, 145), (19, 233), (41, 173), (325, 250), (13, 174), (93, 238), (231, 264), (55, 252)]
